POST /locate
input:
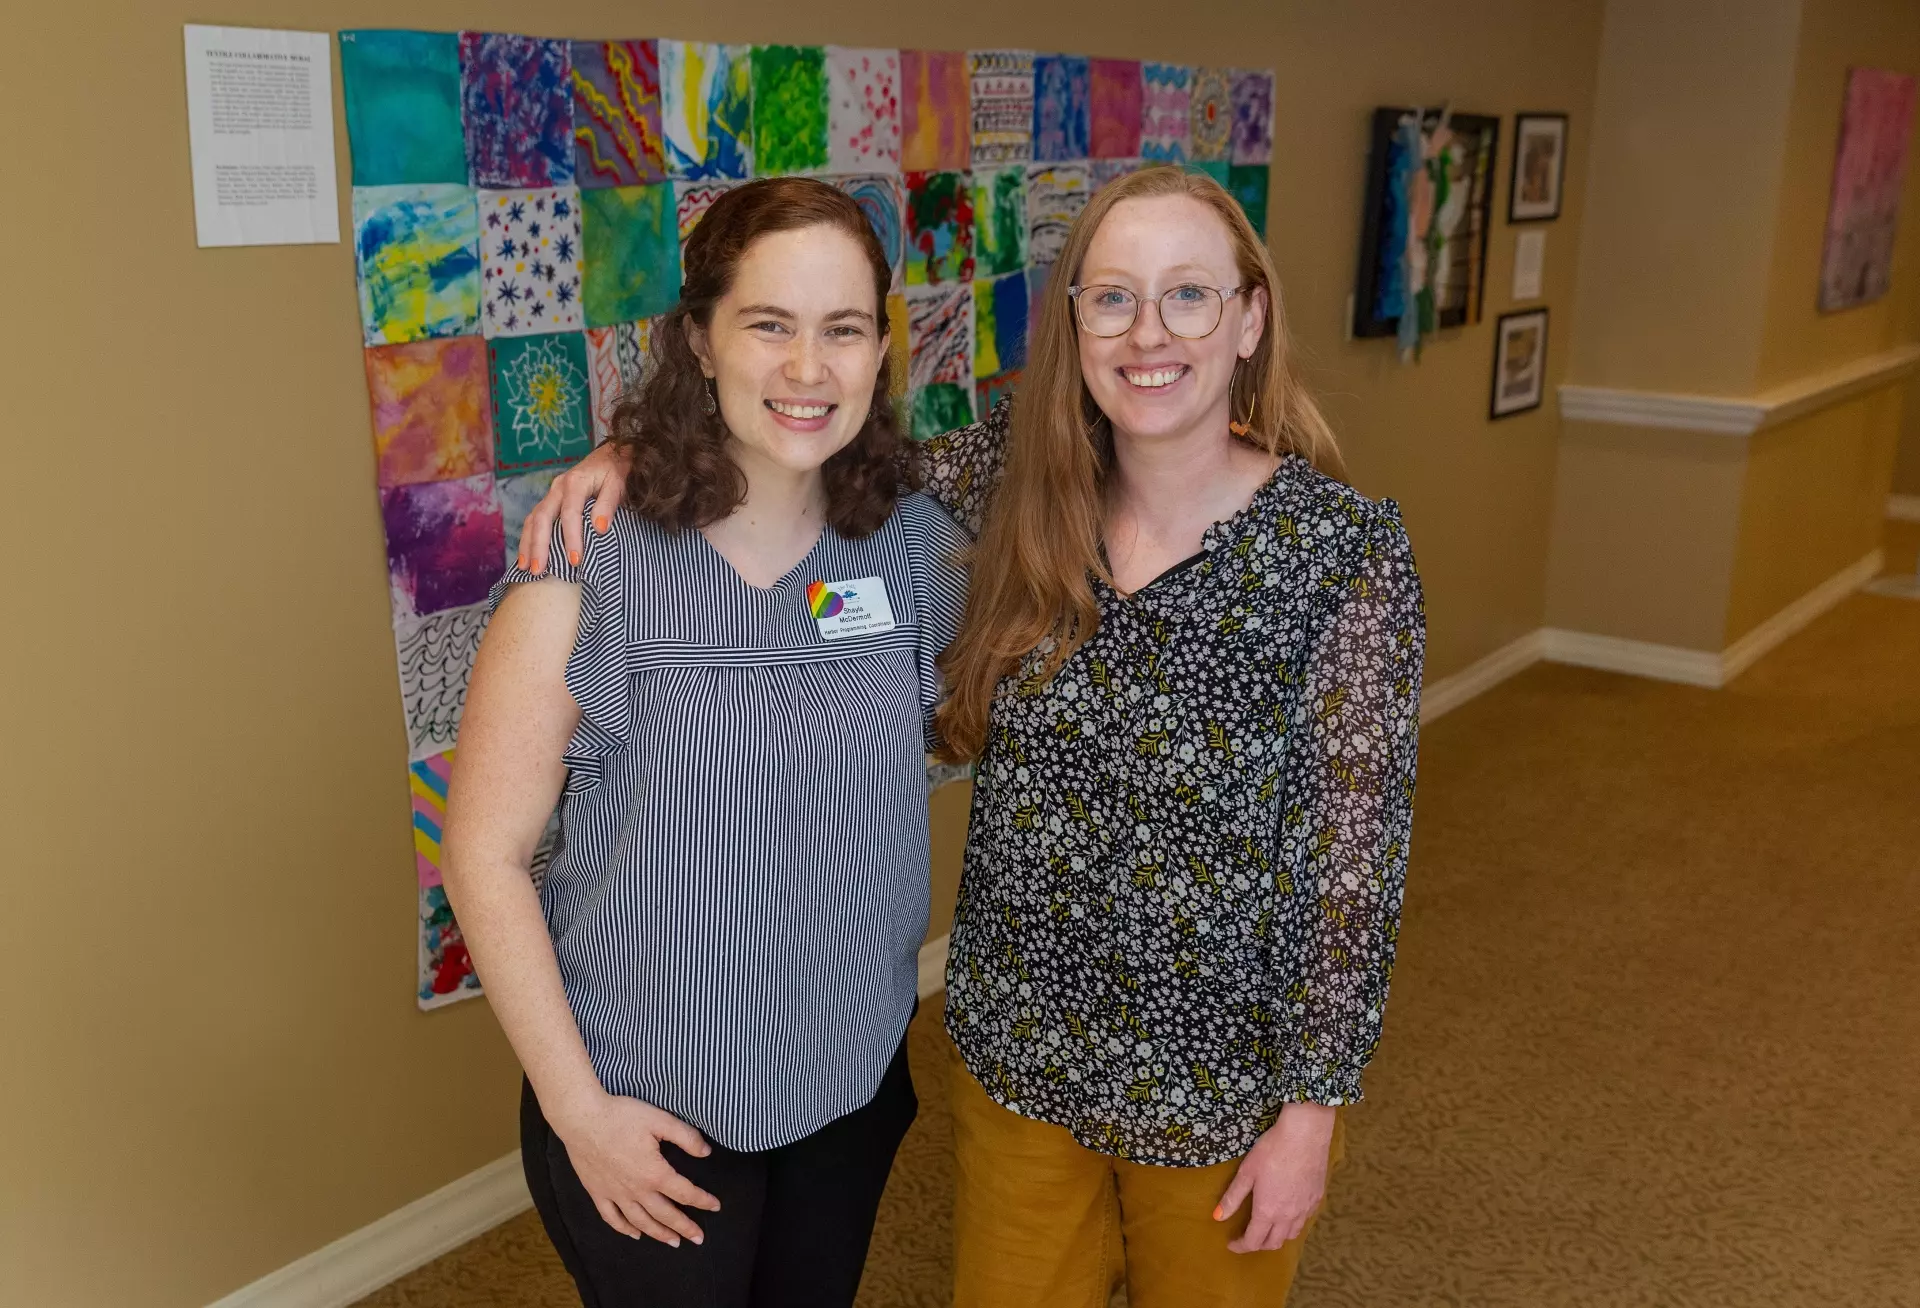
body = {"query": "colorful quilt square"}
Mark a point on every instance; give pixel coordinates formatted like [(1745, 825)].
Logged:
[(436, 660), (1248, 185), (1219, 169), (530, 256), (1251, 138), (1166, 112), (1002, 101), (1056, 193), (542, 400), (1102, 171), (940, 337), (1060, 91), (517, 97), (616, 114), (402, 93), (1210, 114), (939, 229), (999, 324), (882, 198), (445, 540), (518, 494), (427, 780), (616, 366), (789, 108), (863, 111), (706, 109), (1115, 105), (431, 417), (632, 244), (691, 200), (934, 111), (999, 221), (417, 253), (940, 408), (989, 391)]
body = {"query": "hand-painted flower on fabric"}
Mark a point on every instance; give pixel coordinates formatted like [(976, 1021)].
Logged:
[(789, 108), (416, 249), (517, 93), (616, 114), (1211, 113), (939, 229), (1060, 91), (530, 251), (542, 400), (1252, 131), (863, 110)]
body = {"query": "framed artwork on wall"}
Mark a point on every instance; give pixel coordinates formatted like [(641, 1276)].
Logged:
[(1423, 244), (1519, 363), (1539, 166)]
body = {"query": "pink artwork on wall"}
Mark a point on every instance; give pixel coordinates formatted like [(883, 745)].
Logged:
[(1116, 106), (863, 110), (934, 134), (1869, 171)]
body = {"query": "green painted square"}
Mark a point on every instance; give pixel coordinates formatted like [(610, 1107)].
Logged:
[(940, 408), (1218, 169), (630, 241), (789, 108), (999, 222), (542, 410), (1247, 183)]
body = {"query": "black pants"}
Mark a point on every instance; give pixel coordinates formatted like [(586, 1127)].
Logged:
[(793, 1225)]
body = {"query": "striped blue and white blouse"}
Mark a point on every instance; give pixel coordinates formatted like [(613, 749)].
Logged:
[(740, 888)]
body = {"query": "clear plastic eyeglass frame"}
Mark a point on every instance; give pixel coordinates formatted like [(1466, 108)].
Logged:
[(1183, 321)]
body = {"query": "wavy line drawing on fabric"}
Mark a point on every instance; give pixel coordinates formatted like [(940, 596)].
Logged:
[(935, 134), (616, 366), (691, 200), (1056, 193), (616, 114), (417, 256), (863, 111), (789, 108), (940, 358), (1211, 114), (516, 96), (706, 109), (431, 417), (882, 198), (1166, 112), (1001, 83), (436, 653)]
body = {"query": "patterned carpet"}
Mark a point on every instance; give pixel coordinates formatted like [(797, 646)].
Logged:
[(1655, 1034)]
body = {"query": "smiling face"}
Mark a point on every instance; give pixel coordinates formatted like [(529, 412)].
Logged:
[(794, 347), (1150, 383)]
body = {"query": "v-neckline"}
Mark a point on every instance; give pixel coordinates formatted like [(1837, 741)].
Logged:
[(780, 586)]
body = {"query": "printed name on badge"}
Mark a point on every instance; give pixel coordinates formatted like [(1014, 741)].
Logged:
[(850, 608)]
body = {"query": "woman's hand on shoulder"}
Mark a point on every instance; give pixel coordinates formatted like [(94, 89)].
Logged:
[(614, 1146), (1285, 1174), (601, 476)]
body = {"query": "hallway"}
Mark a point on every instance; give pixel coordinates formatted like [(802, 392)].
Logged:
[(1653, 1038)]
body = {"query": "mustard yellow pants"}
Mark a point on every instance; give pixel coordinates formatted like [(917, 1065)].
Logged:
[(1042, 1221)]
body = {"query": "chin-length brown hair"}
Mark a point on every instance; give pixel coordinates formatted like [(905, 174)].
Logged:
[(679, 472), (1040, 544)]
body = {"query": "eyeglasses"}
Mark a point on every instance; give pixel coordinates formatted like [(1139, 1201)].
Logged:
[(1188, 310)]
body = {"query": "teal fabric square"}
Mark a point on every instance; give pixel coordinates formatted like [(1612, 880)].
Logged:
[(630, 238), (1247, 183), (542, 409), (403, 107)]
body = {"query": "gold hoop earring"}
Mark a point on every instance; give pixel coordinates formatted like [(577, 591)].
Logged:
[(1239, 428)]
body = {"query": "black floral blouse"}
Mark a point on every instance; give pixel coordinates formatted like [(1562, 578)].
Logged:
[(1184, 867)]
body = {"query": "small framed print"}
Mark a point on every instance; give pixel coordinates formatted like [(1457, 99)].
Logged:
[(1519, 363), (1539, 166)]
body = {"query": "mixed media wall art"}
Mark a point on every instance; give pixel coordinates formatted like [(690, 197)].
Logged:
[(1423, 248), (1539, 166), (1869, 172), (521, 210)]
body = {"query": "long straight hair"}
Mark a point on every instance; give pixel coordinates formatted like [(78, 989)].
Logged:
[(1040, 545)]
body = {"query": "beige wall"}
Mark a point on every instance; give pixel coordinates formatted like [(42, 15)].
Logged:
[(213, 1062)]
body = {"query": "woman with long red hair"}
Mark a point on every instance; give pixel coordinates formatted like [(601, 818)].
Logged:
[(1189, 674)]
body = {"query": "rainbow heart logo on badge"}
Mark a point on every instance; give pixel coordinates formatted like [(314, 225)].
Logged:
[(823, 602)]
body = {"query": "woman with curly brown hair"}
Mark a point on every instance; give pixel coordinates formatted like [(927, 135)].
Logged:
[(734, 686), (1190, 674)]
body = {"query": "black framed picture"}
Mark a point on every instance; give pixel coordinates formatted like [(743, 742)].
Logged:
[(1519, 363), (1423, 243), (1539, 166)]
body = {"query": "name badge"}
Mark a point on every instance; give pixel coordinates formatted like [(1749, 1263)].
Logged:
[(850, 608)]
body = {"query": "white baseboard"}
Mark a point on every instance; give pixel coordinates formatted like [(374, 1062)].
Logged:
[(933, 966), (1695, 667), (1743, 653), (1449, 693), (1903, 508), (357, 1264)]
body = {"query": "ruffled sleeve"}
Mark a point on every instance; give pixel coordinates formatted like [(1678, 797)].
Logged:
[(962, 467), (1349, 811), (597, 671)]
